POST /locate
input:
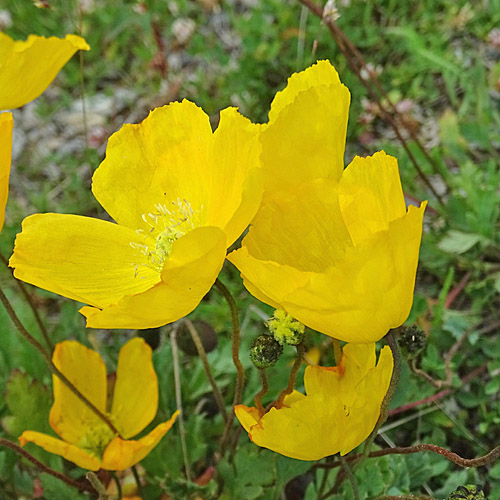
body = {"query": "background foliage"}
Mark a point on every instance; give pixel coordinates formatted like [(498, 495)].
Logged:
[(438, 60)]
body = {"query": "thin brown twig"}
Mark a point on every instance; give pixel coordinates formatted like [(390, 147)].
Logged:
[(44, 468), (407, 450), (206, 366), (29, 299), (357, 63), (46, 355)]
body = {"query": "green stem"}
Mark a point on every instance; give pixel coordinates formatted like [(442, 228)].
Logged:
[(337, 351), (44, 468), (240, 372), (39, 347), (137, 481), (118, 485), (203, 356), (97, 485)]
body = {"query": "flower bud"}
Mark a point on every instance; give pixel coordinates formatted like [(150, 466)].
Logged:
[(285, 329), (469, 492), (265, 351), (412, 341)]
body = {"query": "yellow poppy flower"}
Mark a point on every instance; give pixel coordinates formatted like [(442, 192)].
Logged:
[(335, 249), (6, 125), (181, 195), (86, 440), (338, 413), (28, 67)]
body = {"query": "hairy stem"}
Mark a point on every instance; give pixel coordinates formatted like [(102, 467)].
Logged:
[(44, 468), (240, 372), (262, 392), (301, 348)]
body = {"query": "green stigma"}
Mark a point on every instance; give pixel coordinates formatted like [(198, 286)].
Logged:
[(97, 439), (285, 329)]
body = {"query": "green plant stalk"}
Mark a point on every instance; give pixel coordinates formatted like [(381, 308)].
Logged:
[(240, 372), (98, 486), (203, 356), (348, 472), (44, 468), (46, 356), (337, 351)]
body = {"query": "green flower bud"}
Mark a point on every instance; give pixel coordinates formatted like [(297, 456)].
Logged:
[(469, 492), (265, 351), (412, 341), (285, 329)]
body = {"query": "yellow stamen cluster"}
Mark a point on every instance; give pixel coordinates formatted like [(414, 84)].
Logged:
[(285, 329)]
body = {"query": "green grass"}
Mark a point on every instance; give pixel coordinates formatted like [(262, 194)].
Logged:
[(434, 53)]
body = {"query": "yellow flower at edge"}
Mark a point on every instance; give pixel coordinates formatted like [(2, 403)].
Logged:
[(86, 440), (338, 412), (28, 67), (181, 195), (336, 249), (6, 125)]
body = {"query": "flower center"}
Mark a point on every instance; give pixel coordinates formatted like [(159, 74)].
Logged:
[(166, 224), (97, 440)]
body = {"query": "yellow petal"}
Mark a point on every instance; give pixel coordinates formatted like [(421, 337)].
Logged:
[(236, 177), (69, 417), (305, 137), (157, 162), (85, 259), (6, 126), (364, 303), (188, 274), (370, 195), (28, 67), (121, 454), (58, 447), (310, 429), (321, 73), (302, 228), (247, 416), (135, 398), (365, 400)]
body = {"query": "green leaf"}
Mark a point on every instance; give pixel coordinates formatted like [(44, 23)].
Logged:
[(459, 242)]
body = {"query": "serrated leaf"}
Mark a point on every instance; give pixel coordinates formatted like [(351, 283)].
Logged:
[(458, 242)]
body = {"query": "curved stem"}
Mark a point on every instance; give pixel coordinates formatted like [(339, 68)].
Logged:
[(301, 348), (203, 356), (262, 392), (44, 468), (240, 372), (39, 347), (348, 472), (29, 299)]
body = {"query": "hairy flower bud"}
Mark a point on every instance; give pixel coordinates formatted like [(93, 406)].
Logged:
[(412, 341), (469, 492), (265, 351)]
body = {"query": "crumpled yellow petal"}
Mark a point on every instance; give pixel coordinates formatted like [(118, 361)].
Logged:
[(322, 423), (6, 126), (158, 161), (305, 136), (352, 300), (85, 259), (121, 454), (58, 447), (28, 67), (70, 417), (188, 274), (370, 195), (135, 397), (235, 174)]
